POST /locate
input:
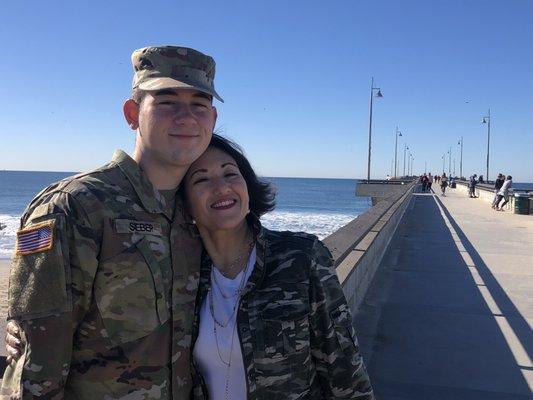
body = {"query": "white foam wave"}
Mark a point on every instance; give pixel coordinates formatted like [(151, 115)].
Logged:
[(321, 225), (8, 234)]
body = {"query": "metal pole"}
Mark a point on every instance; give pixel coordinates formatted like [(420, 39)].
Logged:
[(370, 130), (425, 167), (461, 162), (488, 148), (443, 163), (396, 152), (391, 161), (404, 150), (450, 162), (454, 167)]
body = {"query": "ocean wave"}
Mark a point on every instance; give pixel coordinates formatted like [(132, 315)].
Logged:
[(8, 235), (320, 224)]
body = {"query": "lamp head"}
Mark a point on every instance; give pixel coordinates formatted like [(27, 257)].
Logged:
[(378, 94), (484, 121)]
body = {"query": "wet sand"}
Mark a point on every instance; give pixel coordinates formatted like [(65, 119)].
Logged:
[(4, 279)]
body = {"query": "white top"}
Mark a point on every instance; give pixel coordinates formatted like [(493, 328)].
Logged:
[(216, 373), (504, 191)]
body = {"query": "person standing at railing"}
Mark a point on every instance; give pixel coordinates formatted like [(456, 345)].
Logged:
[(504, 193), (472, 186), (498, 183)]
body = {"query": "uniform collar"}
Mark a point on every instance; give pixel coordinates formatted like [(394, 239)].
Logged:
[(150, 197)]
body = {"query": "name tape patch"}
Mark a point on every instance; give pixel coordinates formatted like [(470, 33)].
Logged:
[(35, 239), (140, 227)]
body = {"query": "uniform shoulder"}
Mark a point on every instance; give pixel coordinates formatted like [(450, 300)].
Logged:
[(82, 187), (99, 178)]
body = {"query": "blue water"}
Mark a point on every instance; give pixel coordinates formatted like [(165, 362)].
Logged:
[(318, 206)]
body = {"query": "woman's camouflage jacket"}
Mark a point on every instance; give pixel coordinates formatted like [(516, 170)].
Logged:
[(294, 324)]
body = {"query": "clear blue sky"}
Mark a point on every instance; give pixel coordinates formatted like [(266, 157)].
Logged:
[(295, 76)]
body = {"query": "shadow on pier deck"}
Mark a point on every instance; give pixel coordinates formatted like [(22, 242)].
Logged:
[(437, 322)]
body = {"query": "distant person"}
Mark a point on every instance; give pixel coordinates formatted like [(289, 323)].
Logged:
[(498, 183), (472, 186), (430, 181), (424, 180), (503, 193), (443, 183), (388, 177), (480, 180)]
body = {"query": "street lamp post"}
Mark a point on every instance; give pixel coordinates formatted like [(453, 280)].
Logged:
[(443, 163), (460, 142), (405, 147), (378, 94), (398, 133), (412, 162), (486, 120), (454, 167), (450, 162)]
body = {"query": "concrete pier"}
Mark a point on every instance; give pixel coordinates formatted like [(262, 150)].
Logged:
[(449, 312)]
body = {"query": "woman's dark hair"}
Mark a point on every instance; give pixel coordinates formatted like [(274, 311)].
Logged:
[(262, 194), (509, 177)]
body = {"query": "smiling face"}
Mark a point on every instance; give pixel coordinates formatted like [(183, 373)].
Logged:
[(174, 126), (216, 192)]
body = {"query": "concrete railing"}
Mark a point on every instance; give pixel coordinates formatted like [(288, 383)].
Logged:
[(358, 247)]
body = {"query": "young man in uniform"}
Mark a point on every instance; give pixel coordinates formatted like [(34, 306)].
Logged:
[(106, 268)]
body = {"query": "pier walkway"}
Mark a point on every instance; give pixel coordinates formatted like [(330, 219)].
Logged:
[(450, 310)]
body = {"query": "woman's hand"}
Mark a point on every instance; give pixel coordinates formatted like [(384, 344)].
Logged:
[(14, 345)]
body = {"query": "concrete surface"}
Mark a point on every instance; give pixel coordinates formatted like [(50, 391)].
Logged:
[(449, 313)]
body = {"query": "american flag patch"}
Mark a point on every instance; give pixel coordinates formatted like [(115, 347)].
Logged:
[(36, 238)]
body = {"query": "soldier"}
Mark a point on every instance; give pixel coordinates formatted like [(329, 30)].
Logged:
[(106, 269)]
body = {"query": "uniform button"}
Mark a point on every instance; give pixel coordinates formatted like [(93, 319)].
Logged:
[(244, 329)]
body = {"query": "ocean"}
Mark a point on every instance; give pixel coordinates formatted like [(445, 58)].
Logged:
[(318, 206)]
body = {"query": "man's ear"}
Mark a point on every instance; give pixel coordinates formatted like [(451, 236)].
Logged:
[(131, 113), (216, 114)]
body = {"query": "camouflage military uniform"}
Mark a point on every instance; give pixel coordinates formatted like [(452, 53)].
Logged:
[(294, 324), (106, 309)]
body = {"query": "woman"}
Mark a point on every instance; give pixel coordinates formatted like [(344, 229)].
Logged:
[(443, 183), (272, 318), (503, 193)]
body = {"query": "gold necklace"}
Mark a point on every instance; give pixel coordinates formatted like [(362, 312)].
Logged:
[(224, 325), (217, 283)]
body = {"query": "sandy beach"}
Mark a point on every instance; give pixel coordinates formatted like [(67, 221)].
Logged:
[(4, 280)]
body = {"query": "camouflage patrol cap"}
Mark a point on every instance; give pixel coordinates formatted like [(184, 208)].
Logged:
[(173, 67)]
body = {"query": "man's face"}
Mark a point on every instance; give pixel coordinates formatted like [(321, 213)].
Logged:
[(174, 125)]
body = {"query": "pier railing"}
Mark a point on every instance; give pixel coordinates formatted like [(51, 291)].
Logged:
[(359, 246)]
